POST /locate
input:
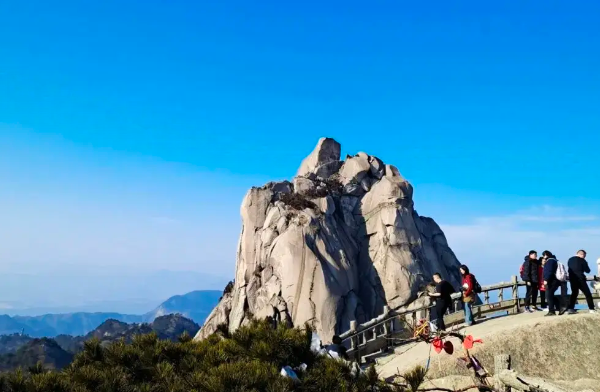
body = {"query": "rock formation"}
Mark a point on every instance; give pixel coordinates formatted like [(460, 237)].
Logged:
[(336, 244)]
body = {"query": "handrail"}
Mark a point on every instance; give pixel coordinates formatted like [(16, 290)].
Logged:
[(394, 312), (384, 326), (382, 318)]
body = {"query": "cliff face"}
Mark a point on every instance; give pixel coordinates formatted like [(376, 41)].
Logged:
[(336, 244)]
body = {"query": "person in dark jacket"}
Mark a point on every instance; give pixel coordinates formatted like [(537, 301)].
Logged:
[(578, 267), (530, 277), (543, 304), (552, 284), (443, 301)]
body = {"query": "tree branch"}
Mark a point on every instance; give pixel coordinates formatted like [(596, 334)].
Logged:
[(526, 383)]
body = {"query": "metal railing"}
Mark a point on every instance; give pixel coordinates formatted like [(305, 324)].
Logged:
[(395, 327)]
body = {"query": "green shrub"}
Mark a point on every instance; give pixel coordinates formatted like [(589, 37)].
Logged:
[(249, 360)]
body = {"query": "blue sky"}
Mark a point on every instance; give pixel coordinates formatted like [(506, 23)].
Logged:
[(130, 130)]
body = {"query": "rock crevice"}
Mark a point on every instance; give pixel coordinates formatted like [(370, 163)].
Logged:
[(337, 243)]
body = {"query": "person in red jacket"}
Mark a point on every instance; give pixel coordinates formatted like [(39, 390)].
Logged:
[(468, 289)]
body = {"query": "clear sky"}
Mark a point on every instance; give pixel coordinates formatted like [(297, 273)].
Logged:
[(130, 130)]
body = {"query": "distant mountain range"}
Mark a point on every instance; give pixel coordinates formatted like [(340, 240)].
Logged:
[(24, 351), (195, 305), (26, 292)]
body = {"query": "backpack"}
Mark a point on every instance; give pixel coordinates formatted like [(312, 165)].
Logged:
[(562, 275), (476, 286), (522, 271)]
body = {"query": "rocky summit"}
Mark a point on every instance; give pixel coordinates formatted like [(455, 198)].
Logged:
[(337, 243)]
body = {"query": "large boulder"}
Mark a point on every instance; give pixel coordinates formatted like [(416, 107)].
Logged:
[(337, 244), (323, 161)]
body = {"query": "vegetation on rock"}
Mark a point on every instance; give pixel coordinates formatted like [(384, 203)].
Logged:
[(297, 201)]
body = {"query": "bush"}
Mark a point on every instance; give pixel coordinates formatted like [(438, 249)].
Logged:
[(297, 201), (228, 289), (250, 359)]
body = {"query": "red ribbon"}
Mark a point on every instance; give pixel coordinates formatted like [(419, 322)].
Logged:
[(438, 345), (469, 342)]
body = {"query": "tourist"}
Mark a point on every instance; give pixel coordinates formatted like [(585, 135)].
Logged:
[(443, 301), (529, 274), (542, 288), (578, 267), (552, 284), (468, 289)]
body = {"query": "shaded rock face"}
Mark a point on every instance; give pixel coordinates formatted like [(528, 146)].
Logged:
[(336, 244)]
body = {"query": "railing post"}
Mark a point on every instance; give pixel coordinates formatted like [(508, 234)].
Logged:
[(501, 362), (352, 339), (386, 312), (354, 342), (596, 285), (386, 327), (515, 294)]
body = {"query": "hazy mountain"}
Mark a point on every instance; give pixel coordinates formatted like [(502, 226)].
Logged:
[(11, 343), (44, 350), (195, 305), (80, 323), (125, 306), (169, 327), (25, 351)]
